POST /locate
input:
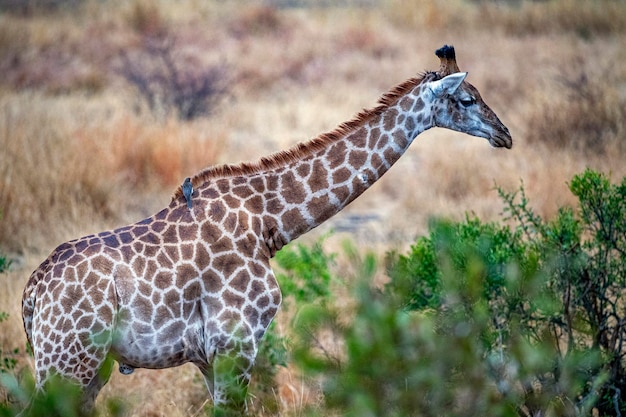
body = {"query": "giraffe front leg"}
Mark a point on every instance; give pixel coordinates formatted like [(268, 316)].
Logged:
[(231, 380)]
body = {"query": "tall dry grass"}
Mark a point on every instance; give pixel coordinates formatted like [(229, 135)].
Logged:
[(77, 153), (66, 163)]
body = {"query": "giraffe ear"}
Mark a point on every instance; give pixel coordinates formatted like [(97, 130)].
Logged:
[(448, 84)]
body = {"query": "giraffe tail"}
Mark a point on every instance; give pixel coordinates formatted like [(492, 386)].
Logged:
[(28, 303)]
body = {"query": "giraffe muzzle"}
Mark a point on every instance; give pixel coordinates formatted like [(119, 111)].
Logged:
[(501, 138)]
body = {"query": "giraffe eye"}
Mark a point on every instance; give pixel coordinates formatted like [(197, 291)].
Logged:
[(466, 102)]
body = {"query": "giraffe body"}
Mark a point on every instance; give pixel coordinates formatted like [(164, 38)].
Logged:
[(195, 284)]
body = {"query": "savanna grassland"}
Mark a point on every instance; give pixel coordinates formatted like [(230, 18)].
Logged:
[(92, 138)]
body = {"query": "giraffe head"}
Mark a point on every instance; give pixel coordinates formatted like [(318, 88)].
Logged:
[(457, 104)]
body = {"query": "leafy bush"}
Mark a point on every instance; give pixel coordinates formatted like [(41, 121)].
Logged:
[(5, 263), (305, 278), (519, 318), (7, 362), (60, 398), (305, 275)]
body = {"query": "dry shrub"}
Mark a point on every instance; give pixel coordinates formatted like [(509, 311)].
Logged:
[(585, 114), (172, 79)]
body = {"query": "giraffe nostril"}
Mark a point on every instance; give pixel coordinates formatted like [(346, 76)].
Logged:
[(502, 141)]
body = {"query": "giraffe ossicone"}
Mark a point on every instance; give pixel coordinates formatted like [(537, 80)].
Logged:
[(177, 288)]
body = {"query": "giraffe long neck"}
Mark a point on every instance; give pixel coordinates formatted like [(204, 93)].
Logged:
[(311, 190)]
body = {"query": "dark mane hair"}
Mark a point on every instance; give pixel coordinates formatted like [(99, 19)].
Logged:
[(307, 148)]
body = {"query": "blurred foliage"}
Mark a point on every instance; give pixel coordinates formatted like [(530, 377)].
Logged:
[(519, 318), (305, 273), (5, 263), (59, 398), (7, 359), (304, 277)]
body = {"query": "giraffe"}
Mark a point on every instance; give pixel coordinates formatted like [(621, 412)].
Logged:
[(194, 283)]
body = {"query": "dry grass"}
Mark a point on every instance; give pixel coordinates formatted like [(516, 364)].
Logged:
[(581, 18), (69, 162), (76, 156), (585, 111)]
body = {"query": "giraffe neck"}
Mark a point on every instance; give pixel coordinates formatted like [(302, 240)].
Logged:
[(315, 188), (289, 193)]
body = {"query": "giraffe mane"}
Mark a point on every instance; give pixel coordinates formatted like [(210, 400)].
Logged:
[(303, 149)]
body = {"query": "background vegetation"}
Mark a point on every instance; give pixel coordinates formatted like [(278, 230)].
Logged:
[(106, 106), (520, 317)]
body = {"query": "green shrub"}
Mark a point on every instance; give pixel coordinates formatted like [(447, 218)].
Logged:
[(477, 352), (60, 398), (5, 263), (304, 277), (305, 273), (517, 318)]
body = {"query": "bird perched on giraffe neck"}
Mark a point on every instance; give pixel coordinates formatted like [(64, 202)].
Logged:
[(188, 191)]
